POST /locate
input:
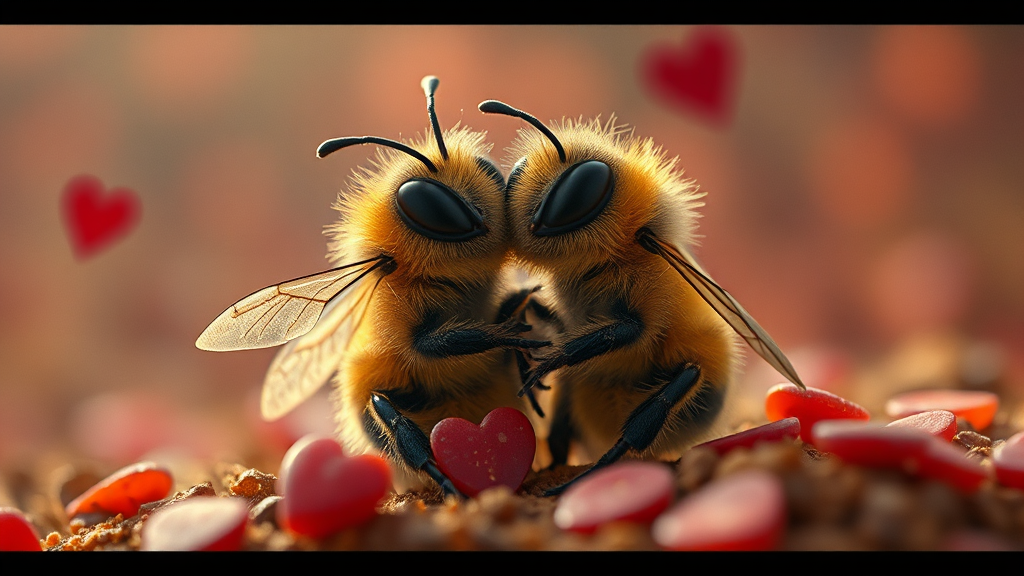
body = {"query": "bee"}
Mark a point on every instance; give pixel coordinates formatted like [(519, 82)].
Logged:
[(409, 323), (648, 344)]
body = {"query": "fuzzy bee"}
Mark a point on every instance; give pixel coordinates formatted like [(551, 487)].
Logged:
[(410, 324), (648, 342)]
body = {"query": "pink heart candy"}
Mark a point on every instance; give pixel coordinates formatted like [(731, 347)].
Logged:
[(325, 491), (498, 452), (206, 523)]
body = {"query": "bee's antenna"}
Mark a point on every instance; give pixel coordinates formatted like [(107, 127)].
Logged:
[(430, 84), (495, 107), (339, 143)]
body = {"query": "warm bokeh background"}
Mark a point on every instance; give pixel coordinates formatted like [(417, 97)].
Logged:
[(865, 202)]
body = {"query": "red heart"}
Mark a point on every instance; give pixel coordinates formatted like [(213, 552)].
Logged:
[(498, 452), (697, 77), (324, 491), (94, 221)]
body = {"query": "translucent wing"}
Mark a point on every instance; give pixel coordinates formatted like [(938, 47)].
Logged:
[(307, 362), (277, 314), (723, 303)]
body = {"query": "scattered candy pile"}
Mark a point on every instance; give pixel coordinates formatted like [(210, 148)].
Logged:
[(821, 475)]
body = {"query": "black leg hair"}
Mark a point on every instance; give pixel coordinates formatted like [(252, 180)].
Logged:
[(410, 443), (626, 329), (644, 423)]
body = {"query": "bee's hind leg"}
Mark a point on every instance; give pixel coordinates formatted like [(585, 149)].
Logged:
[(645, 423), (407, 442)]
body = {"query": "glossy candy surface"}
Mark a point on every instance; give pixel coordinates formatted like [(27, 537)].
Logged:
[(124, 491), (771, 432), (809, 406), (978, 408), (868, 444), (938, 423), (16, 532), (744, 511), (1008, 461), (498, 452), (627, 491), (324, 491), (206, 523), (950, 464)]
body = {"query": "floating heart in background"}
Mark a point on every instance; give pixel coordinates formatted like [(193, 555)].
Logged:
[(497, 452), (699, 76), (95, 220)]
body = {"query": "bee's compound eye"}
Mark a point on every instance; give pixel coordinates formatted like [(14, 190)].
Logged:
[(577, 197), (435, 211)]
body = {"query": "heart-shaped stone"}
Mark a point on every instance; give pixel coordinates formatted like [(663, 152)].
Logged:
[(95, 220), (699, 76), (325, 491), (207, 524), (498, 452)]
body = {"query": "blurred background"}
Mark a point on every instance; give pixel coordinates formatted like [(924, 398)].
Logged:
[(865, 200)]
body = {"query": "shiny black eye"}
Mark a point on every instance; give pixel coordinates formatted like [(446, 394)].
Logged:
[(576, 198), (435, 211)]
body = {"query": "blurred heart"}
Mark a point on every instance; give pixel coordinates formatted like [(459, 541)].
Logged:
[(497, 452), (95, 219), (699, 76)]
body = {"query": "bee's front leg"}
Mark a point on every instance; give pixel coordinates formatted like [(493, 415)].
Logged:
[(401, 438), (626, 327)]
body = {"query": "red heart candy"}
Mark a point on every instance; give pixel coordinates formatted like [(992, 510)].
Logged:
[(628, 491), (499, 452), (201, 524), (16, 532), (324, 491), (94, 221), (697, 77), (744, 511), (771, 432)]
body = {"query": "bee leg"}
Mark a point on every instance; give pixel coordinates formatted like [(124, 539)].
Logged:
[(644, 424), (624, 331), (436, 340), (409, 444), (524, 373), (561, 433)]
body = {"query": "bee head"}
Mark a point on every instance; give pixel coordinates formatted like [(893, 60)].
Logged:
[(433, 204), (578, 192)]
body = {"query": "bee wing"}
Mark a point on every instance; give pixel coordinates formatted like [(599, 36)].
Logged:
[(277, 314), (724, 304), (307, 362)]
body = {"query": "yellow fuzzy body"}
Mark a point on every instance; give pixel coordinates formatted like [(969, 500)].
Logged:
[(585, 271), (381, 355)]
